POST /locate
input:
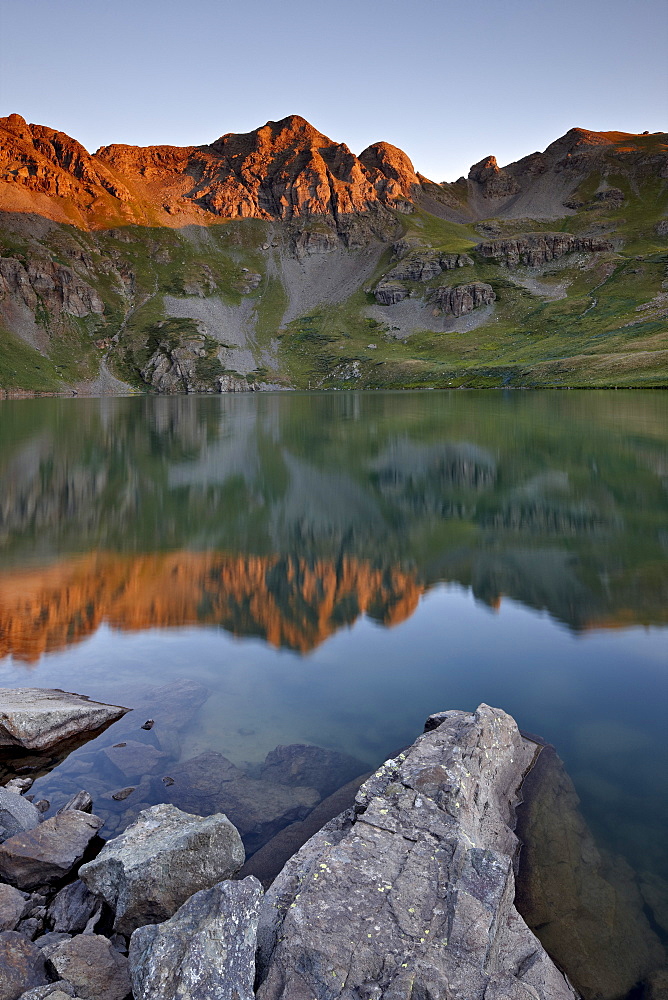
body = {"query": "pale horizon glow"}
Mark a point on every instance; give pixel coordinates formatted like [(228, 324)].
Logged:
[(447, 84)]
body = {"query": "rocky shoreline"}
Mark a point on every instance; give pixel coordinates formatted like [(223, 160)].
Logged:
[(406, 894)]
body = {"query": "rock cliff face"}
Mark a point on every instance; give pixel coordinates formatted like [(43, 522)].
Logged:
[(534, 249), (494, 182), (458, 300), (284, 170), (46, 285)]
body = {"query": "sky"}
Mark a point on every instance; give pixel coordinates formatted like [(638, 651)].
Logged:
[(449, 83)]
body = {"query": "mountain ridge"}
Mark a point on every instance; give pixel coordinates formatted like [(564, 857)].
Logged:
[(277, 258)]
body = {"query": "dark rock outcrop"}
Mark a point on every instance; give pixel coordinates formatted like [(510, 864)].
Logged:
[(206, 950), (493, 181), (535, 249), (147, 872), (411, 893), (457, 300), (54, 287), (419, 265)]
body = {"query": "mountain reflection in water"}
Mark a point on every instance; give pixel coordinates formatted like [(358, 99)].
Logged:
[(139, 535)]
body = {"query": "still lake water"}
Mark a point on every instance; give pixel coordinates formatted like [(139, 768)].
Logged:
[(335, 567)]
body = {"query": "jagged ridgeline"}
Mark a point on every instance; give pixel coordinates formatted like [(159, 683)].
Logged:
[(278, 258)]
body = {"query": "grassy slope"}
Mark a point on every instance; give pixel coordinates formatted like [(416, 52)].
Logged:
[(598, 335)]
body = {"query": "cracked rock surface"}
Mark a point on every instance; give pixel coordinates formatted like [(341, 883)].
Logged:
[(410, 893)]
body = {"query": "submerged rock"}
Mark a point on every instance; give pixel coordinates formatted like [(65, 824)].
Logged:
[(40, 718), (147, 872), (587, 909), (311, 766), (43, 856), (411, 893), (205, 951), (259, 809)]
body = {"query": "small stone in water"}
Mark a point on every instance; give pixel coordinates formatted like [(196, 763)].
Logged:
[(167, 780), (149, 724), (123, 793), (43, 805), (119, 745)]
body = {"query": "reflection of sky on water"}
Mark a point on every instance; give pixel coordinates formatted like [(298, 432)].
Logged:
[(599, 697)]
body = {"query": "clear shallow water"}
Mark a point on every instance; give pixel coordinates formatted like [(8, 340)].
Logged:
[(333, 568)]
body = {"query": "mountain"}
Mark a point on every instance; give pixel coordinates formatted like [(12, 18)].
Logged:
[(279, 258)]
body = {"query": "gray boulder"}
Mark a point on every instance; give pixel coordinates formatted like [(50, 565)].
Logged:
[(206, 951), (13, 906), (72, 908), (147, 872), (21, 965), (16, 814), (48, 853), (53, 991), (39, 718), (410, 894), (93, 966)]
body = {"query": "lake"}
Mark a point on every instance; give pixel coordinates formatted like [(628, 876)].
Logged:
[(331, 568)]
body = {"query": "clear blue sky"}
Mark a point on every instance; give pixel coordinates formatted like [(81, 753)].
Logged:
[(447, 82)]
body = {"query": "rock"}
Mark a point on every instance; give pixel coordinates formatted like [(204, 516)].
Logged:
[(30, 927), (206, 950), (420, 264), (94, 968), (311, 766), (493, 180), (662, 228), (411, 893), (72, 908), (135, 759), (80, 801), (266, 863), (54, 991), (534, 249), (457, 300), (389, 293), (122, 794), (48, 853), (19, 785), (147, 872), (171, 706), (13, 906), (49, 942), (211, 783), (17, 814), (40, 718), (586, 909), (21, 965)]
